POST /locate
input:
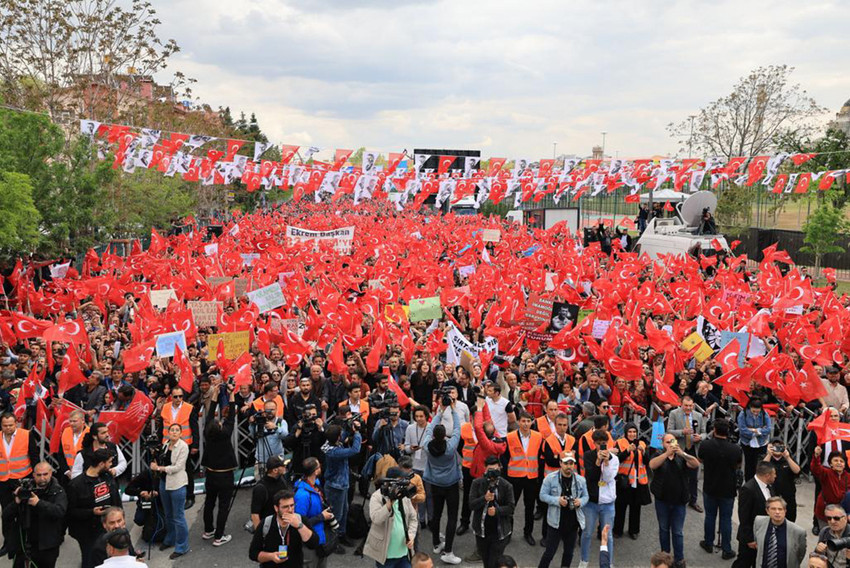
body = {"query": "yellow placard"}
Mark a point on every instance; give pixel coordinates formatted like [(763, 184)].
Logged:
[(235, 344), (703, 352)]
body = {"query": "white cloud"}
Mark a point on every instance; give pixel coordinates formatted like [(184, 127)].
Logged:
[(509, 78)]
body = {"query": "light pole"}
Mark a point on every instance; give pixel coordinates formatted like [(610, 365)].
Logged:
[(691, 137), (554, 149), (603, 143)]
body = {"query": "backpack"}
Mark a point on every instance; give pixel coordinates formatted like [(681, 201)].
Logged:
[(356, 526)]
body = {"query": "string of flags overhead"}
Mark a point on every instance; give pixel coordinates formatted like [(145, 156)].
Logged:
[(198, 158)]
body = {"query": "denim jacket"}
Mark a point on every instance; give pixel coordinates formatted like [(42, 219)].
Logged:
[(336, 462), (746, 420), (550, 493)]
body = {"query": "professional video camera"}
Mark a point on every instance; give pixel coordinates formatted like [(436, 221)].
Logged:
[(396, 488), (381, 406), (838, 543), (26, 488), (352, 423), (445, 394), (492, 476)]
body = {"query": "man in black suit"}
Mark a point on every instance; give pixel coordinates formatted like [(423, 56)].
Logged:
[(752, 500)]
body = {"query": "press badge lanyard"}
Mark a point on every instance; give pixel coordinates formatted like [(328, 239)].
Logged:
[(283, 549)]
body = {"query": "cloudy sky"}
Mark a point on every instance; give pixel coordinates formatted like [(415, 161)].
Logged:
[(508, 78)]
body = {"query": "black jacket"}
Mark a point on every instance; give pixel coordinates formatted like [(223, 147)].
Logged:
[(751, 503), (505, 504), (270, 542), (45, 521), (82, 522), (721, 459), (146, 518), (218, 448)]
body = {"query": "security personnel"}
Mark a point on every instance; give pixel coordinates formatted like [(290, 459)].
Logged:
[(179, 412), (554, 445), (586, 443), (355, 402), (523, 469), (632, 455), (18, 454), (72, 440), (546, 423), (270, 394)]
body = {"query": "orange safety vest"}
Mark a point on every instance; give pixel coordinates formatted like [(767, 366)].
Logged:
[(364, 408), (183, 416), (69, 448), (555, 445), (522, 464), (260, 403), (543, 427), (588, 438), (469, 443), (637, 473), (17, 464)]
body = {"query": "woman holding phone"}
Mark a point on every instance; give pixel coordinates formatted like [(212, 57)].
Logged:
[(173, 491)]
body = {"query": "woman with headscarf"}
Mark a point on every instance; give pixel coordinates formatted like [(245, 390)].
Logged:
[(632, 482)]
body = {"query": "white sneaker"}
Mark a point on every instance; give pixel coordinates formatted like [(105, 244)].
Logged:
[(450, 558), (439, 548), (225, 538), (207, 535), (582, 564)]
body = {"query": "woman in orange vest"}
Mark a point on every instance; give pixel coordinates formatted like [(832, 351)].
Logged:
[(632, 466)]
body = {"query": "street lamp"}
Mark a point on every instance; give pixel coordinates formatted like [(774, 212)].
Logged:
[(554, 149), (603, 143), (691, 137)]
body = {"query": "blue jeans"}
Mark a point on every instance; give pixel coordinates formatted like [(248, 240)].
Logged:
[(604, 515), (671, 519), (724, 504), (177, 530), (402, 562), (338, 500)]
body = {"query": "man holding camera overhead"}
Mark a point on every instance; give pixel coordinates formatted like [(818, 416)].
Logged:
[(492, 503), (337, 455)]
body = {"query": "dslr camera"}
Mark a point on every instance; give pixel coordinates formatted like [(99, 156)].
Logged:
[(26, 488), (492, 476), (396, 488), (445, 394), (778, 447)]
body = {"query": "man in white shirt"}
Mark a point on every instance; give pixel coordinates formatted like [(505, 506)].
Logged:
[(501, 410), (836, 393), (460, 407), (118, 550)]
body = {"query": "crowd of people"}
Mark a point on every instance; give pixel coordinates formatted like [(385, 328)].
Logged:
[(369, 425)]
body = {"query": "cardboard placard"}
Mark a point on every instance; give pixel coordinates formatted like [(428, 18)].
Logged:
[(425, 309), (165, 343), (703, 352), (537, 312), (465, 271), (160, 298), (267, 298), (491, 235), (235, 344), (205, 313)]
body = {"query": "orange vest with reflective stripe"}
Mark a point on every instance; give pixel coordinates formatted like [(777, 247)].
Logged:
[(637, 473), (260, 404), (521, 463), (17, 464), (69, 448), (555, 445), (543, 427), (364, 408), (183, 416), (469, 443)]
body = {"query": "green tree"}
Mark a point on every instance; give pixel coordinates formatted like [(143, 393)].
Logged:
[(735, 208), (823, 229), (19, 221)]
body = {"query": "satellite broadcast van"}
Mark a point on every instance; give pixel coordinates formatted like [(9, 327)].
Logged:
[(679, 235)]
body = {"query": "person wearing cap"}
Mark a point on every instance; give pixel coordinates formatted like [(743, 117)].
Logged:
[(565, 492), (492, 504), (262, 504), (118, 545), (836, 393)]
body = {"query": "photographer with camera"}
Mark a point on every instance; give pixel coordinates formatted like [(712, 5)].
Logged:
[(787, 471), (442, 473), (270, 432), (219, 463), (834, 540), (492, 504), (38, 512), (282, 536), (307, 438), (300, 401), (389, 429), (89, 496), (565, 492), (337, 472), (394, 521), (18, 451), (262, 495)]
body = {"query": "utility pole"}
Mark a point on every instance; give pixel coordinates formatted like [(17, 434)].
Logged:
[(554, 150), (603, 143), (691, 137)]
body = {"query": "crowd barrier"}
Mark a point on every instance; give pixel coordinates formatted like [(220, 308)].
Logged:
[(790, 428)]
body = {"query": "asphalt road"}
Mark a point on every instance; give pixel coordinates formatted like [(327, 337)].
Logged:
[(627, 553)]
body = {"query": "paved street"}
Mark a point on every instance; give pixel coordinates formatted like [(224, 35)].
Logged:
[(627, 554)]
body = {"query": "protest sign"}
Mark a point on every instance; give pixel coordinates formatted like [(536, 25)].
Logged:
[(211, 249), (465, 271), (551, 281), (743, 339), (267, 298), (160, 298), (249, 258), (342, 237), (600, 328), (240, 285), (458, 344), (491, 235), (703, 352), (425, 309), (562, 315), (537, 312), (735, 298), (165, 343), (59, 271), (235, 344), (214, 281), (204, 313)]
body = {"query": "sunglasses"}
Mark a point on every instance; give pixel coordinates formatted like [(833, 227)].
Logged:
[(835, 518), (177, 396)]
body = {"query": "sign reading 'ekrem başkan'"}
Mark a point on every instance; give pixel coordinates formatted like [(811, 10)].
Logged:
[(343, 236)]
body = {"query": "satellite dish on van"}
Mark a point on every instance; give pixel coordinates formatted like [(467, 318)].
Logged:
[(691, 209)]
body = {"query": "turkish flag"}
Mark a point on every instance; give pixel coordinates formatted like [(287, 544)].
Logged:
[(832, 430), (495, 165), (809, 383), (336, 361), (71, 331), (61, 414), (71, 373), (27, 327), (157, 242), (139, 357), (184, 369), (241, 370), (233, 146), (662, 391), (42, 418), (403, 400), (445, 163)]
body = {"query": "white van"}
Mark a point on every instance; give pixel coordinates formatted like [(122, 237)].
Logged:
[(679, 235)]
